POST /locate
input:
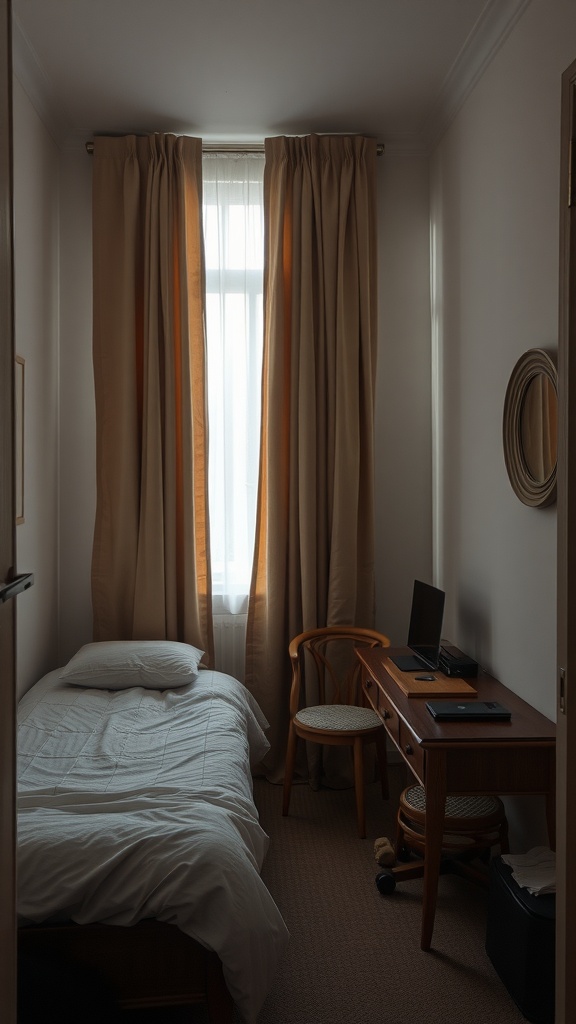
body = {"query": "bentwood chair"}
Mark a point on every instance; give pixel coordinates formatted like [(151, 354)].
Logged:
[(324, 664)]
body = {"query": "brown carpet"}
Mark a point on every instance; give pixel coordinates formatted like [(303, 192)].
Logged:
[(354, 955)]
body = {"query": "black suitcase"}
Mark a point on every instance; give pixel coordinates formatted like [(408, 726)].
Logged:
[(520, 941)]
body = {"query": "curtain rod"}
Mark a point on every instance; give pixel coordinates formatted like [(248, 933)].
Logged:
[(208, 147), (232, 148)]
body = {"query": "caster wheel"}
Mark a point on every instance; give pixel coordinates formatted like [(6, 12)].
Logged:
[(385, 883)]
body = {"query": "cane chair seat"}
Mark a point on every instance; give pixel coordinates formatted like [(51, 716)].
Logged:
[(325, 666), (338, 717), (471, 822)]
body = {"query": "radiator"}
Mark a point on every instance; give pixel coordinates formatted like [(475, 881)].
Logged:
[(230, 644)]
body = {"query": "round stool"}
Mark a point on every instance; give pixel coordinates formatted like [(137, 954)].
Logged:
[(471, 823)]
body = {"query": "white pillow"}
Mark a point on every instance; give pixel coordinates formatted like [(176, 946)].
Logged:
[(119, 664)]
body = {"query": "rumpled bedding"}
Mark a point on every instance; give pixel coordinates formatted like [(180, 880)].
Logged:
[(138, 804)]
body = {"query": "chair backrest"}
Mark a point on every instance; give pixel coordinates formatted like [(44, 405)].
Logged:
[(324, 664)]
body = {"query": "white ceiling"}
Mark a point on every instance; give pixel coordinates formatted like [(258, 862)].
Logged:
[(239, 70)]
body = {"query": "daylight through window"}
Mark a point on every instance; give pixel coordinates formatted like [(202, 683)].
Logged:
[(234, 252)]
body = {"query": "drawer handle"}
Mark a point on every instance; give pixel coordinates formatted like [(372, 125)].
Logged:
[(408, 749), (385, 714), (368, 684)]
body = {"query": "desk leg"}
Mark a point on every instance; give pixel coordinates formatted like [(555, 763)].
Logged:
[(434, 827)]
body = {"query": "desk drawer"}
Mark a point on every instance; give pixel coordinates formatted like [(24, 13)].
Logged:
[(411, 751), (388, 715), (382, 706), (371, 691)]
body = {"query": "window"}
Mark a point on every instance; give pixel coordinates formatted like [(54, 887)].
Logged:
[(234, 252)]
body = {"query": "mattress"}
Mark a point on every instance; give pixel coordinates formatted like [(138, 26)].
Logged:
[(138, 804)]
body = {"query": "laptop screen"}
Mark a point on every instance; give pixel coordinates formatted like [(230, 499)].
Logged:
[(425, 630)]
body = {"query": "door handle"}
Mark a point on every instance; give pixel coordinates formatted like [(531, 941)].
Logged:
[(16, 586)]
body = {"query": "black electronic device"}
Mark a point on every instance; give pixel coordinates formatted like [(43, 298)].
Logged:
[(453, 662), (425, 629), (468, 710)]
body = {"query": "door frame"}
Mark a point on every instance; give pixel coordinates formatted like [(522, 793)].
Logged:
[(7, 537), (566, 569)]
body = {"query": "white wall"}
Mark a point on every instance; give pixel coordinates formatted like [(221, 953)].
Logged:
[(496, 224), (77, 414), (495, 221), (36, 287), (53, 328), (403, 469)]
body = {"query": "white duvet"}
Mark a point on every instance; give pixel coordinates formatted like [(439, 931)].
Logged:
[(138, 803)]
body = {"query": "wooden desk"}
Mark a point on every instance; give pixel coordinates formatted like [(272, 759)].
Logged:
[(515, 757)]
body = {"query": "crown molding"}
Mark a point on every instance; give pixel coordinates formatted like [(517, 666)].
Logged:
[(28, 70), (491, 30)]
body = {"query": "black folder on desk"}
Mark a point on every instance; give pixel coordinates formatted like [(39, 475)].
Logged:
[(468, 710)]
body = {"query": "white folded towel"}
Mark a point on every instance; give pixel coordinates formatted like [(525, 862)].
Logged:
[(535, 870)]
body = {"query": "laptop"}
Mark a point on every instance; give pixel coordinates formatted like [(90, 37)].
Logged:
[(425, 629), (468, 710)]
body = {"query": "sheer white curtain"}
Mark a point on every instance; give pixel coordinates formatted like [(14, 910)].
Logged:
[(234, 250)]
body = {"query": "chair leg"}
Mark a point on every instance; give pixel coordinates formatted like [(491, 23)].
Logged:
[(382, 763), (359, 785), (289, 768)]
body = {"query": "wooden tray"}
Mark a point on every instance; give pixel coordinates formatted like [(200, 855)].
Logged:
[(443, 686)]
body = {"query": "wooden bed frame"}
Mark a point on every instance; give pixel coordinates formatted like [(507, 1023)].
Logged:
[(149, 964)]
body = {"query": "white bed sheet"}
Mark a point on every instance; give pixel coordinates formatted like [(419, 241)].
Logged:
[(138, 803)]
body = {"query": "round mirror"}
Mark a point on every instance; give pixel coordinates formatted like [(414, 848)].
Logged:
[(530, 428)]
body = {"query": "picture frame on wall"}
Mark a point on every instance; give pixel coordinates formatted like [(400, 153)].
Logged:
[(19, 437)]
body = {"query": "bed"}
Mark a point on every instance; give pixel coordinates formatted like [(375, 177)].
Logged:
[(139, 845)]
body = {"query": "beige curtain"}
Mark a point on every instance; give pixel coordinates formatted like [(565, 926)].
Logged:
[(314, 553), (150, 571)]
